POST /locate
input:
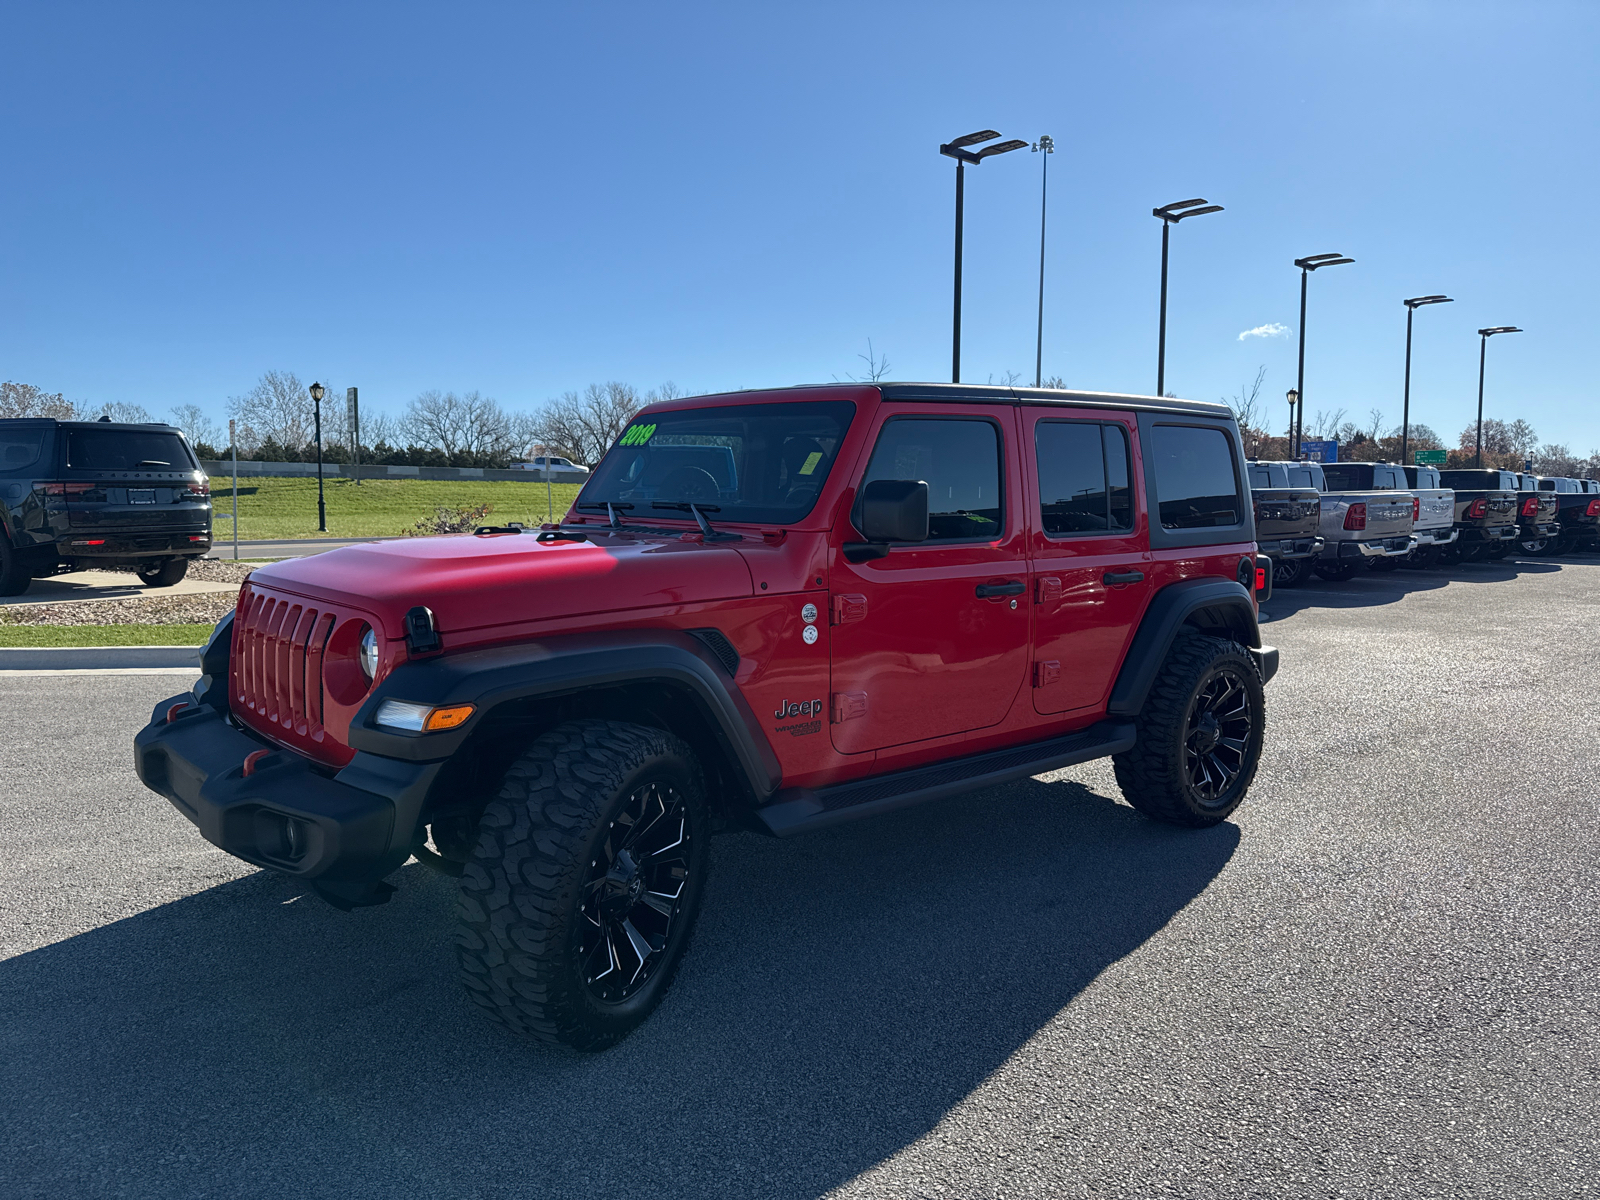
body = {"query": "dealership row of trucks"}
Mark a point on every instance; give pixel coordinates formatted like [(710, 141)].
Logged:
[(1336, 519)]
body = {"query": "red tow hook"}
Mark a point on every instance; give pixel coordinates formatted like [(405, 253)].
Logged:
[(252, 760), (172, 713)]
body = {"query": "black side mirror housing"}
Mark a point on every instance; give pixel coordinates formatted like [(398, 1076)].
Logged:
[(890, 510)]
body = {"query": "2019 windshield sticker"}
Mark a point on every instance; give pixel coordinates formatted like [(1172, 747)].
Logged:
[(638, 435)]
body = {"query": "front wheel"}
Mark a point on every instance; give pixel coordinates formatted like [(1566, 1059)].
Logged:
[(578, 900), (1199, 735)]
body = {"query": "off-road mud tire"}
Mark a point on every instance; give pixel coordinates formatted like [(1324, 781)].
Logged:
[(1152, 775), (165, 573), (518, 935), (1338, 570), (14, 574)]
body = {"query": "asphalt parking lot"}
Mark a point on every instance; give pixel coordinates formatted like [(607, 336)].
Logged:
[(1382, 978)]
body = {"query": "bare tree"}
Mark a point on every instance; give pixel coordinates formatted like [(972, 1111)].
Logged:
[(1247, 411), (197, 426), (471, 425), (118, 410), (1554, 458), (1054, 381), (278, 409), (1326, 423), (583, 427), (877, 367), (25, 400)]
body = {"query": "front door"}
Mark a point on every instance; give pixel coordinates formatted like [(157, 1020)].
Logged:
[(1090, 573), (932, 639)]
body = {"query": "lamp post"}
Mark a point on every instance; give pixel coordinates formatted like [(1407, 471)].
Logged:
[(1294, 398), (1307, 265), (1412, 305), (1045, 145), (957, 149), (1170, 215), (317, 393), (1483, 346)]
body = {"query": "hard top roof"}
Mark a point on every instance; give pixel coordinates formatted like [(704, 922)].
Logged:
[(972, 393), (89, 424)]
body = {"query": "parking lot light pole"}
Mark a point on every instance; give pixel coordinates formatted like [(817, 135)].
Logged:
[(1045, 145), (1307, 265), (957, 149), (1170, 215), (317, 393), (1483, 346), (1412, 305)]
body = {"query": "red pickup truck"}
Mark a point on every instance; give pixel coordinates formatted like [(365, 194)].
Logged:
[(771, 610)]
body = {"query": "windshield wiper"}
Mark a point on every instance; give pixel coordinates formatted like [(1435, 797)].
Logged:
[(152, 462), (611, 509), (699, 511)]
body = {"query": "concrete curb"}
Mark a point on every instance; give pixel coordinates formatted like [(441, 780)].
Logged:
[(98, 658)]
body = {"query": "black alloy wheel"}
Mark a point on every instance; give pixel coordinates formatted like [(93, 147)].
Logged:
[(1287, 572), (1216, 740), (1385, 563), (634, 893), (1534, 545)]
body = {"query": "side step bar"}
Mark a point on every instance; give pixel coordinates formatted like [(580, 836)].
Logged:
[(801, 810)]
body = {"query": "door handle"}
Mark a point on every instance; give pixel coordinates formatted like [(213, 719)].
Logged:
[(1013, 587), (1123, 577)]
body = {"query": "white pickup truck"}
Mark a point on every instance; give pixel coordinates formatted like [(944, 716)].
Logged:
[(1434, 518), (1368, 512)]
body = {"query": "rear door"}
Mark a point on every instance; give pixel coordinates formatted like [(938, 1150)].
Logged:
[(932, 639), (1090, 573), (121, 480)]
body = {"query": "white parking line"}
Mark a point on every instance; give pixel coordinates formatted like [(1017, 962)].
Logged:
[(18, 674)]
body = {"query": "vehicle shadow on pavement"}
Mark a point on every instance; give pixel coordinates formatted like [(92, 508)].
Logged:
[(843, 993), (1373, 588)]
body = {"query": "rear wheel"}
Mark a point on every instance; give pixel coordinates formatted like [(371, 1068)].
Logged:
[(165, 573), (578, 900), (1287, 572), (1199, 735), (1536, 545), (1386, 563), (1338, 569), (14, 574)]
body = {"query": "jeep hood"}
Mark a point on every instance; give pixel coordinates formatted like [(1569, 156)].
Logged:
[(473, 582)]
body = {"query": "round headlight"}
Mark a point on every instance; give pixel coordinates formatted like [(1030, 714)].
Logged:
[(369, 654)]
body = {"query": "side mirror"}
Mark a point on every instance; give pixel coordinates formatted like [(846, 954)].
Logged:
[(891, 510)]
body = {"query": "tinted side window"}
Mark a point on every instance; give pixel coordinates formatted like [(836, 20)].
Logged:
[(20, 448), (960, 462), (1077, 460), (1195, 484), (1303, 476), (1260, 477)]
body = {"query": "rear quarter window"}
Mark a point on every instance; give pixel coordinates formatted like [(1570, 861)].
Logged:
[(21, 449), (1195, 483)]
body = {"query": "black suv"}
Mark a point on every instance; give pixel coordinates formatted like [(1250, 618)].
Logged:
[(76, 495)]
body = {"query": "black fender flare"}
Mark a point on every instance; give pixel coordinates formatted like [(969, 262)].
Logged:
[(566, 665), (1217, 603)]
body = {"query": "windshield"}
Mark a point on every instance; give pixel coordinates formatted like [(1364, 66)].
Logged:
[(761, 463)]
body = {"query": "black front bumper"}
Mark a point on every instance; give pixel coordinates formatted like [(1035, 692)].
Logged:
[(348, 828)]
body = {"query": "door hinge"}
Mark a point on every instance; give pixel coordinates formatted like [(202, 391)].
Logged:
[(1047, 672), (847, 706), (1047, 590), (849, 608)]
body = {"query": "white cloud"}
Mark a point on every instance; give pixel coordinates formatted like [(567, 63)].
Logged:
[(1271, 330)]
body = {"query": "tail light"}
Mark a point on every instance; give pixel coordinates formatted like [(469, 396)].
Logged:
[(1356, 517), (64, 489), (1593, 510), (1477, 510), (200, 487), (1530, 506), (1416, 508)]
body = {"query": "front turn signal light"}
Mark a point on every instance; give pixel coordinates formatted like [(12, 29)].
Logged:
[(422, 718)]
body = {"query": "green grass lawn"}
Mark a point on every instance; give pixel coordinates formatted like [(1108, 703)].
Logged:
[(287, 508), (104, 635)]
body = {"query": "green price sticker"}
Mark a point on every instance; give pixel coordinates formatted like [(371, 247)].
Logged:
[(638, 435)]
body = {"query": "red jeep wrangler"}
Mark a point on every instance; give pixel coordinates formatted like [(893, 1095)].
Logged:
[(772, 610)]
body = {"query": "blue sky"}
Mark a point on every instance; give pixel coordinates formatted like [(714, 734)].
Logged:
[(522, 199)]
